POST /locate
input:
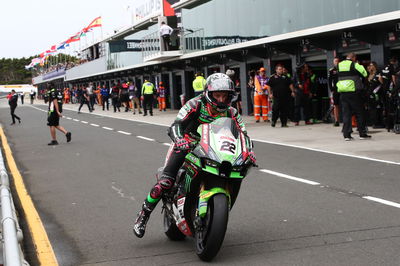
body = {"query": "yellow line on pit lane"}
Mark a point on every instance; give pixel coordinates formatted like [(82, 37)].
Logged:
[(44, 250)]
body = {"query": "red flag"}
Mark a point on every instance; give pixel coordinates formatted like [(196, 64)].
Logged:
[(95, 23)]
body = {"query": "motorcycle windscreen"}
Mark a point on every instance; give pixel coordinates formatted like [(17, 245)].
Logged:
[(221, 140)]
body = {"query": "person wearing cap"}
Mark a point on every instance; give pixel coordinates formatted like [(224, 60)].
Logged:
[(161, 93), (198, 84), (261, 105)]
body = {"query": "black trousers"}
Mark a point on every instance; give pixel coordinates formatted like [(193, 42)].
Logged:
[(352, 103), (280, 109), (148, 103), (13, 116), (302, 101), (84, 101), (166, 40), (116, 103), (104, 101)]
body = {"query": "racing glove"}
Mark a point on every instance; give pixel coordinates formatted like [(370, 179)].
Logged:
[(182, 144)]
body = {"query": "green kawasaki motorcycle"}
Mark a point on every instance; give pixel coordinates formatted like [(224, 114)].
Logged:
[(207, 186)]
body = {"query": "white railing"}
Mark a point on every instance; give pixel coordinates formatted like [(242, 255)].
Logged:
[(11, 234)]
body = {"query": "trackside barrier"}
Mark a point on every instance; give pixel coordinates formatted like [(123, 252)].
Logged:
[(11, 234)]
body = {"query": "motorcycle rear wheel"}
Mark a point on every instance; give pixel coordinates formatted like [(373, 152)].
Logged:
[(209, 240), (171, 230)]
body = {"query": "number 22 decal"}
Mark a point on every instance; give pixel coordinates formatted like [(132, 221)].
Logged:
[(228, 146)]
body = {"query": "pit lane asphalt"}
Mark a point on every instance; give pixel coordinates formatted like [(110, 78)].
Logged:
[(88, 192)]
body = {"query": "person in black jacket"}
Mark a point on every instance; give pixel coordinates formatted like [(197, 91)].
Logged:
[(12, 101)]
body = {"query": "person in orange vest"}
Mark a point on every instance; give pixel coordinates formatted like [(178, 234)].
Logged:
[(261, 96), (161, 91), (66, 95)]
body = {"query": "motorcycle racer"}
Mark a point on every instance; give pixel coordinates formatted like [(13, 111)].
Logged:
[(214, 103)]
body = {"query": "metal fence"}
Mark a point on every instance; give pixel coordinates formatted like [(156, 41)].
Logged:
[(11, 234), (183, 40)]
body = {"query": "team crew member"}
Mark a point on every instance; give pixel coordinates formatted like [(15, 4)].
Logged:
[(332, 81), (350, 74), (55, 110), (198, 84), (134, 95), (161, 97), (204, 109), (261, 96), (13, 102), (280, 89), (147, 96)]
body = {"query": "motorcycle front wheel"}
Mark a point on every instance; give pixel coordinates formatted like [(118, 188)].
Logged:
[(171, 230), (209, 239)]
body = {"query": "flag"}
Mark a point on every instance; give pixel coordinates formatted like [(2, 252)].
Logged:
[(95, 23), (74, 38), (62, 45), (33, 63)]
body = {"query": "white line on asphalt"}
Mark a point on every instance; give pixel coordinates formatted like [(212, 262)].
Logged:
[(69, 118), (290, 177), (95, 125), (141, 137), (167, 144), (123, 132), (258, 140), (84, 122), (329, 152), (108, 128), (386, 202), (75, 120)]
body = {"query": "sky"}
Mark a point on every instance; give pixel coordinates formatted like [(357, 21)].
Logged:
[(30, 27)]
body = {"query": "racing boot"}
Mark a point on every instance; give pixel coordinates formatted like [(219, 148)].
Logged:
[(142, 218)]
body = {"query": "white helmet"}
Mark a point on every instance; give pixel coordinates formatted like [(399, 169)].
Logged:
[(219, 82)]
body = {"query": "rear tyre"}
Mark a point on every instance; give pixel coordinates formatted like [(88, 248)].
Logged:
[(171, 230), (209, 240)]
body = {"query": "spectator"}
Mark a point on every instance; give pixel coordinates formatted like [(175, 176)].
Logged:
[(67, 94), (134, 95), (375, 96), (124, 95), (105, 95), (91, 95), (165, 33), (332, 80), (115, 97), (32, 94), (21, 95), (280, 89)]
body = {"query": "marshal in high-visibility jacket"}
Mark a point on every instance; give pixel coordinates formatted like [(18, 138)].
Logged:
[(148, 88), (349, 76), (198, 84)]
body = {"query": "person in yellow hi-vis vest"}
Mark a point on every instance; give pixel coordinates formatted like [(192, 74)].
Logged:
[(261, 104), (198, 84)]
